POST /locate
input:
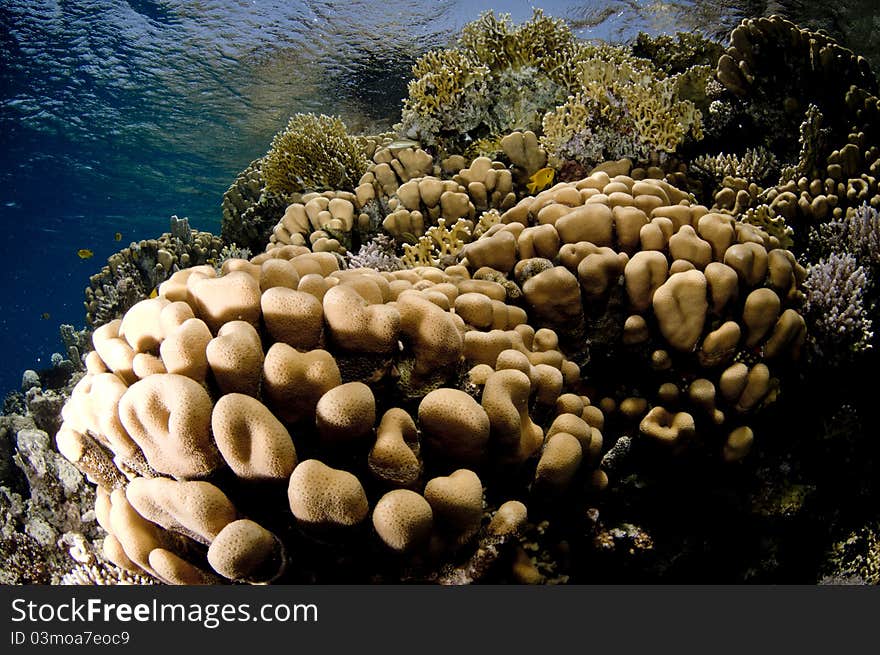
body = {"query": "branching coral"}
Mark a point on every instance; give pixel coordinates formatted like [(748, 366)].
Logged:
[(836, 294), (630, 88), (857, 234), (313, 152), (231, 251), (439, 246), (623, 107), (378, 254), (855, 558), (754, 165), (575, 131), (541, 42), (773, 225), (498, 78), (841, 288), (448, 86), (537, 346)]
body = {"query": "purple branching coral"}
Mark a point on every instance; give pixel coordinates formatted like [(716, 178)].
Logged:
[(838, 308), (857, 234), (378, 254)]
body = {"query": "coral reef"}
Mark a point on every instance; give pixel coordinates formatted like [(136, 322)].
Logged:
[(756, 165), (855, 559), (402, 195), (378, 254), (810, 102), (499, 78), (779, 69), (857, 234), (440, 246), (836, 289), (134, 272), (774, 225), (593, 102), (423, 397), (313, 152), (677, 53), (622, 107), (582, 285), (249, 211), (43, 501), (841, 298)]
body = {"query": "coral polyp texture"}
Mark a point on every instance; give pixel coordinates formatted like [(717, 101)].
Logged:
[(239, 418)]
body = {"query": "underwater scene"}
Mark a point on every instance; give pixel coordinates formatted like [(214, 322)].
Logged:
[(448, 293)]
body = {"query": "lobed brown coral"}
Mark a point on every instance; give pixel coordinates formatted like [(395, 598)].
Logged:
[(432, 210), (388, 410), (814, 104)]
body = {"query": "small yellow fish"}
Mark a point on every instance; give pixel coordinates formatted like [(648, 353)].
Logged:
[(84, 253), (117, 236), (541, 180), (45, 316), (154, 293)]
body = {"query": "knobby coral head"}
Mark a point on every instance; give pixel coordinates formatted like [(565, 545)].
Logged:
[(241, 417)]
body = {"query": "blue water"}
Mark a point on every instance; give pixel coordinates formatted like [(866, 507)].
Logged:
[(115, 115)]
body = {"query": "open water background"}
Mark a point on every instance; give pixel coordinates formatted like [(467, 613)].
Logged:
[(116, 114)]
